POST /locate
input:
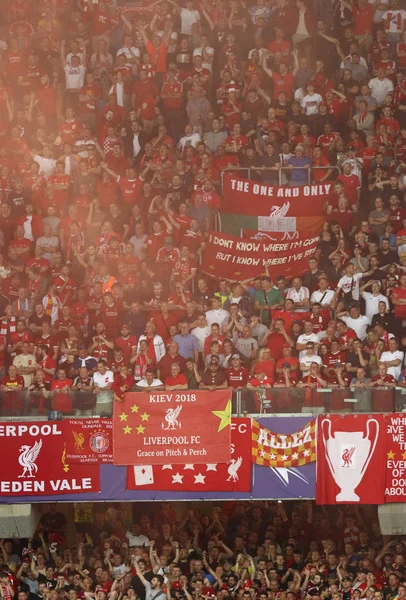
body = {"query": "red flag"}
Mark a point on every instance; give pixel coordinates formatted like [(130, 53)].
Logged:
[(89, 440), (244, 197), (230, 257), (175, 427), (395, 483), (234, 476), (350, 459), (36, 462)]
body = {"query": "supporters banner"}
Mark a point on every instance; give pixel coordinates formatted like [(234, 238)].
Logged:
[(395, 483), (234, 476), (272, 449), (37, 463), (89, 440), (176, 428), (351, 459), (282, 206), (232, 258)]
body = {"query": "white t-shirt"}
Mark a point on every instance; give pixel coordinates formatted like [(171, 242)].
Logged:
[(102, 381), (221, 317), (201, 333), (380, 89), (143, 383), (308, 360), (389, 356), (311, 104), (75, 77), (393, 20), (371, 303), (136, 540), (189, 140), (317, 296), (358, 325), (124, 50), (46, 165), (208, 50), (350, 283), (303, 339), (187, 19), (298, 296)]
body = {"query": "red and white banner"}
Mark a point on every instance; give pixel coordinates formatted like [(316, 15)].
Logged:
[(35, 462), (234, 476), (172, 427), (89, 440), (232, 258), (244, 197), (395, 483), (351, 459)]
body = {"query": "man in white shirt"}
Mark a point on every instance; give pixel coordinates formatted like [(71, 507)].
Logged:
[(380, 86), (217, 314), (323, 295), (299, 294), (393, 359), (135, 538), (308, 357), (103, 380), (354, 320), (349, 285), (373, 299), (201, 332), (149, 383), (311, 101), (206, 52), (190, 139), (306, 337)]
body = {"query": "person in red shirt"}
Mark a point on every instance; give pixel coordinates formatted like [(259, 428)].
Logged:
[(347, 335), (47, 363), (284, 81), (61, 395), (70, 130), (237, 375), (60, 183), (398, 296), (110, 314), (176, 380), (352, 184), (20, 244), (383, 379), (11, 386), (127, 343)]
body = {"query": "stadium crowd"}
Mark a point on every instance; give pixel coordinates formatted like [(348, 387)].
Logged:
[(115, 125), (245, 550)]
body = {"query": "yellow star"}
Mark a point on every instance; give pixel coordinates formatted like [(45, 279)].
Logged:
[(123, 417), (127, 429), (140, 429), (224, 416), (144, 417), (390, 454), (404, 455), (134, 408)]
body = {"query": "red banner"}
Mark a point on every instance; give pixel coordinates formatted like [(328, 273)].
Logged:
[(245, 197), (228, 257), (395, 483), (351, 459), (175, 427), (234, 476), (89, 440), (37, 464)]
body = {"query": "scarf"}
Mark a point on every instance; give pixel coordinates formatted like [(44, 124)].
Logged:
[(396, 19), (7, 326), (50, 304)]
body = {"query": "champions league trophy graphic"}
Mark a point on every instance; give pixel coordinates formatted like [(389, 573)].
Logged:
[(348, 454)]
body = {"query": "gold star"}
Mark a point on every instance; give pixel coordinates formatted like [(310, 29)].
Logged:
[(140, 429), (123, 417), (144, 417), (224, 416), (134, 408), (127, 429), (404, 455), (390, 454)]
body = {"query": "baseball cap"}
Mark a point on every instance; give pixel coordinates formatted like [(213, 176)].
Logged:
[(285, 345)]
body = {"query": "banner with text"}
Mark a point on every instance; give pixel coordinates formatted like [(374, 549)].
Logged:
[(37, 462), (285, 209), (395, 482), (232, 258), (176, 427), (351, 459), (234, 476), (272, 449), (89, 440)]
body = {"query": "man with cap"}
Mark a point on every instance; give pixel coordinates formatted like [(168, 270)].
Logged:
[(214, 377), (237, 375), (286, 378), (287, 360)]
